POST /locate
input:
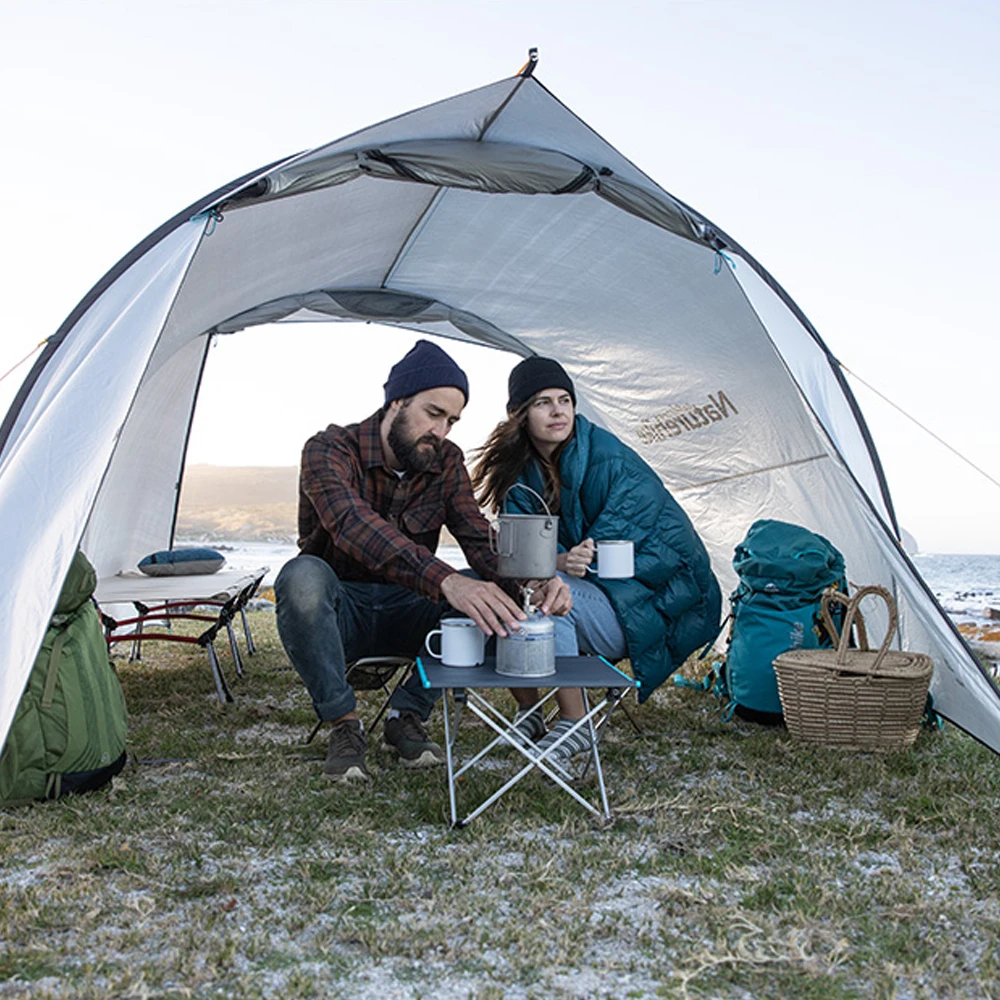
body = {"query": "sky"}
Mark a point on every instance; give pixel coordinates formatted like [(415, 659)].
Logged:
[(852, 148)]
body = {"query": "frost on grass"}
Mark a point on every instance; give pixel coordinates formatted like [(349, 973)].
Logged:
[(737, 865)]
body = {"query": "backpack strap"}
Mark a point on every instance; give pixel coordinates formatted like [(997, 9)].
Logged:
[(52, 676), (53, 786), (53, 782), (714, 682)]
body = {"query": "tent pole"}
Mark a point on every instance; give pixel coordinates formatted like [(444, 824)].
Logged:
[(187, 439)]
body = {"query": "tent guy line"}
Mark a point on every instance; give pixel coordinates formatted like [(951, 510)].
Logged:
[(940, 440), (17, 364)]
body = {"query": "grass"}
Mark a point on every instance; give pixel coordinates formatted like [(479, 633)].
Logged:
[(738, 864)]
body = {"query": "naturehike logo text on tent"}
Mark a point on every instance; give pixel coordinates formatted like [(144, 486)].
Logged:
[(683, 417)]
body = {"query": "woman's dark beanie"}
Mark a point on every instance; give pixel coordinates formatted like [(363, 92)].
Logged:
[(425, 366), (531, 376)]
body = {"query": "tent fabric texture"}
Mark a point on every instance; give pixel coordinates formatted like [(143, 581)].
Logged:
[(496, 217)]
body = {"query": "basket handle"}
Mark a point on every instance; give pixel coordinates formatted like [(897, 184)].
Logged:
[(833, 596), (854, 610)]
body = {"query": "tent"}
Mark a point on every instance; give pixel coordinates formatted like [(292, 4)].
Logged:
[(496, 217)]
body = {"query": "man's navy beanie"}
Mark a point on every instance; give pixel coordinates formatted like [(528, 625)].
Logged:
[(425, 366)]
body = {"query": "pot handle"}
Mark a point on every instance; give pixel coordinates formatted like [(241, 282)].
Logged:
[(540, 499), (494, 534)]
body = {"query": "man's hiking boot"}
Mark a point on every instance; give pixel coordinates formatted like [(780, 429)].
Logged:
[(345, 757), (407, 736)]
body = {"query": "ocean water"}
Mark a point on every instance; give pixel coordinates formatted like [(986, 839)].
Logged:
[(251, 555), (964, 584)]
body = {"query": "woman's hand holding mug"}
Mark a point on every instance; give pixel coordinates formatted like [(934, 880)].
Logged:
[(577, 559)]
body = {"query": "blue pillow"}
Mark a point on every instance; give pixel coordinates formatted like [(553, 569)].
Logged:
[(182, 562)]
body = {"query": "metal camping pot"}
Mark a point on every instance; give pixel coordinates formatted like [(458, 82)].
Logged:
[(525, 544), (529, 650)]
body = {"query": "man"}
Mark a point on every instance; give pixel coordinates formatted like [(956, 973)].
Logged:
[(372, 500)]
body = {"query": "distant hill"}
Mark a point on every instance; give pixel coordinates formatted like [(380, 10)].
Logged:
[(219, 484), (227, 503)]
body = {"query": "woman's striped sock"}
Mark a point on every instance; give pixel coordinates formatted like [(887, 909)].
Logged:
[(530, 725), (578, 742)]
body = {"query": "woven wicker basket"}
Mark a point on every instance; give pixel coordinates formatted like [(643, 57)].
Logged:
[(854, 699)]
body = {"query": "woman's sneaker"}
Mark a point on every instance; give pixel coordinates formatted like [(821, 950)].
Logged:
[(406, 735), (578, 742), (345, 757)]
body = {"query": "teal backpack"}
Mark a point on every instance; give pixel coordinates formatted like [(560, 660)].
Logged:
[(68, 732), (783, 570)]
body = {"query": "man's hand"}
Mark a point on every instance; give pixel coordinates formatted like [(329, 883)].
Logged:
[(485, 603), (551, 597), (577, 559)]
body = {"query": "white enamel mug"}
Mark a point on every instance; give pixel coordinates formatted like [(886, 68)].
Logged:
[(462, 643), (616, 559)]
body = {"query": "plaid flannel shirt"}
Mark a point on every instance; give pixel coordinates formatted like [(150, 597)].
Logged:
[(374, 527)]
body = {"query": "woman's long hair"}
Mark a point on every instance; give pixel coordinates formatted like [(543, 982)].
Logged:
[(506, 454)]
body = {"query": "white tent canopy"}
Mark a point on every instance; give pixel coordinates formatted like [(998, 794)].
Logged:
[(496, 217)]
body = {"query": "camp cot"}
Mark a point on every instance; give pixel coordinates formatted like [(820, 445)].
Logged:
[(496, 217)]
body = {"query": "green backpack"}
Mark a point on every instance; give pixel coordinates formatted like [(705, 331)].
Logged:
[(68, 732)]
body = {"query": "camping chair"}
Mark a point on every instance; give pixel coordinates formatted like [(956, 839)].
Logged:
[(373, 673)]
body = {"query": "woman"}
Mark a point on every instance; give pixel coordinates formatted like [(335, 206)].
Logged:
[(600, 489)]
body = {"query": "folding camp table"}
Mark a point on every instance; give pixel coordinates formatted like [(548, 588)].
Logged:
[(467, 687), (166, 599)]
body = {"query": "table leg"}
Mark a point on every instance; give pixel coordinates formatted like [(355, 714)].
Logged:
[(595, 756), (501, 725), (449, 741), (533, 762), (530, 766)]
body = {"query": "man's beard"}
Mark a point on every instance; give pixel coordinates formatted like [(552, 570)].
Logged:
[(410, 453)]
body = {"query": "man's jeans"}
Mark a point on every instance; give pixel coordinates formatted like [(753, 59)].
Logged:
[(325, 623)]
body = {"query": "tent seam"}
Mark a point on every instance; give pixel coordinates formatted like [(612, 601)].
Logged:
[(491, 119), (751, 472), (411, 236), (838, 375)]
